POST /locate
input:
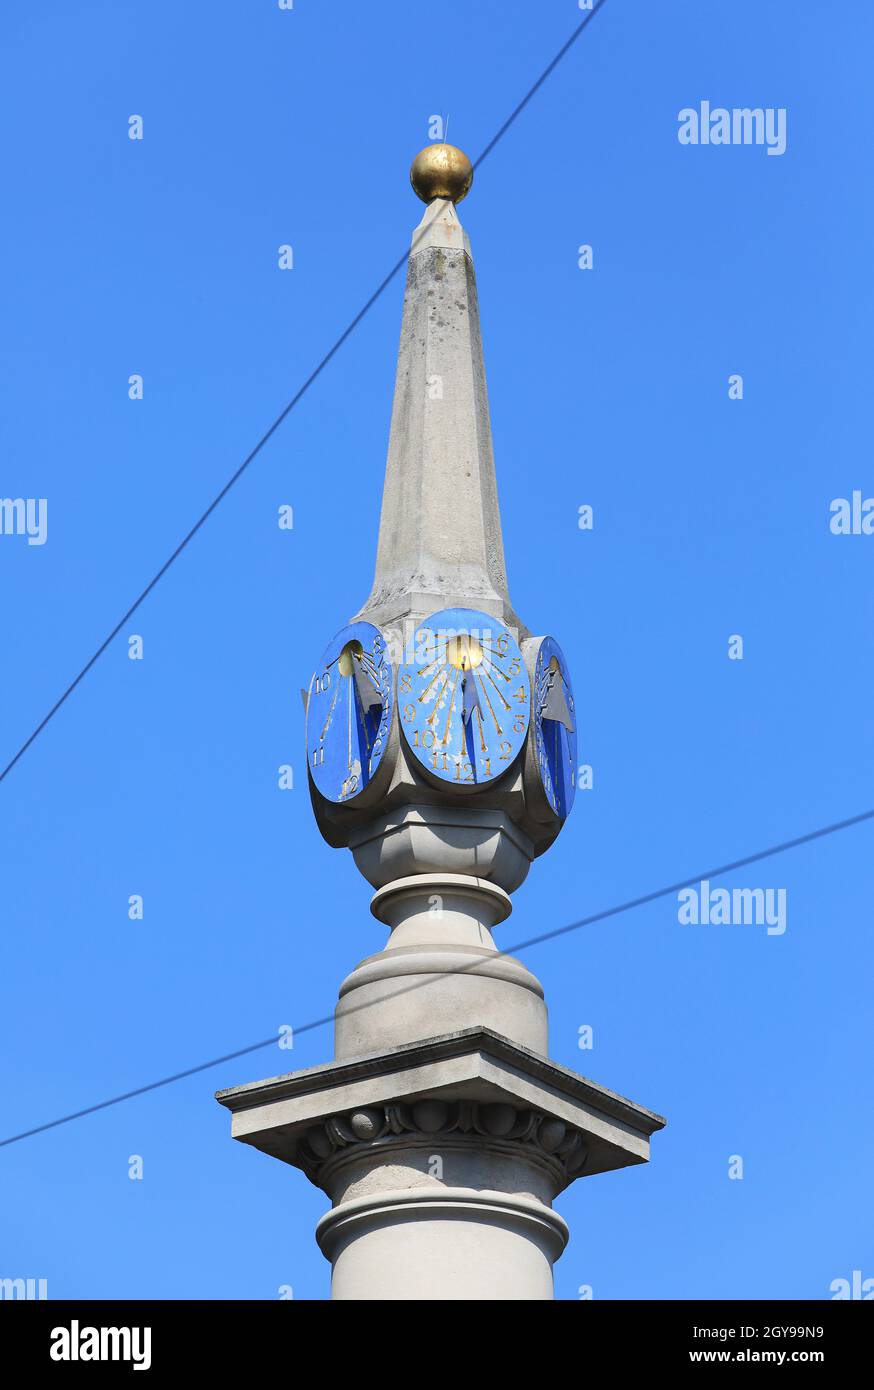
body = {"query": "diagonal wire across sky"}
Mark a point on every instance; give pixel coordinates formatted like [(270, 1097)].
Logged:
[(527, 944), (517, 948), (286, 411)]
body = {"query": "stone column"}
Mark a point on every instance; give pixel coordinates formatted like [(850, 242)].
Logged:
[(441, 1131), (444, 1199)]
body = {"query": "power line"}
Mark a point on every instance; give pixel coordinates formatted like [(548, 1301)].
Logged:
[(139, 1091), (589, 921), (697, 878), (268, 434)]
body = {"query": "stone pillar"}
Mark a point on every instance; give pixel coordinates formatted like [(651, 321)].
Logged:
[(441, 1194), (440, 970), (449, 1200), (441, 1131)]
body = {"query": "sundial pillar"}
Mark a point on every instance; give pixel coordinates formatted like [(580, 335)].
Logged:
[(442, 751)]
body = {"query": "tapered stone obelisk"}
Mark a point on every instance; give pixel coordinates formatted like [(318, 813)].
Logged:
[(441, 1131)]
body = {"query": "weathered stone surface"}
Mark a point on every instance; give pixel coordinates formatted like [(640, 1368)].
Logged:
[(440, 970), (440, 545), (440, 541), (473, 1065)]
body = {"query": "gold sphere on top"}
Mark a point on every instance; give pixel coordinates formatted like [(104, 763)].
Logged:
[(441, 171)]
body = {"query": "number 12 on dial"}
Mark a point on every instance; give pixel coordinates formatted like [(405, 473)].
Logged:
[(464, 700)]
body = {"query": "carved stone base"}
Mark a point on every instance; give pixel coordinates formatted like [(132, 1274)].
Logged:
[(437, 1130), (442, 1159)]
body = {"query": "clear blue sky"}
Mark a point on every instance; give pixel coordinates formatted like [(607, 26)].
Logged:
[(608, 387)]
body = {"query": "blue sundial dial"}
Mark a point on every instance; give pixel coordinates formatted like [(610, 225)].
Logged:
[(349, 712), (555, 727), (464, 699)]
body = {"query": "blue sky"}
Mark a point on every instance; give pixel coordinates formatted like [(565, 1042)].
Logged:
[(608, 387)]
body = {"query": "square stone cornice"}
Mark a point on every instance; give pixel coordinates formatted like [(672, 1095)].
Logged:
[(474, 1064)]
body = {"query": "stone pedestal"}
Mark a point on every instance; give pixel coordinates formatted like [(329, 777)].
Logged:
[(439, 971), (441, 1132), (442, 1159)]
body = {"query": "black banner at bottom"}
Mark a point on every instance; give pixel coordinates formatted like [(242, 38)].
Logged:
[(82, 1337)]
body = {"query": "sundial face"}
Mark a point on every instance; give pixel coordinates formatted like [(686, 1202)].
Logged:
[(349, 709), (555, 727), (464, 700)]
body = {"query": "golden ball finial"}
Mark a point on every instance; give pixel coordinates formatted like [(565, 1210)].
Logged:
[(441, 171)]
